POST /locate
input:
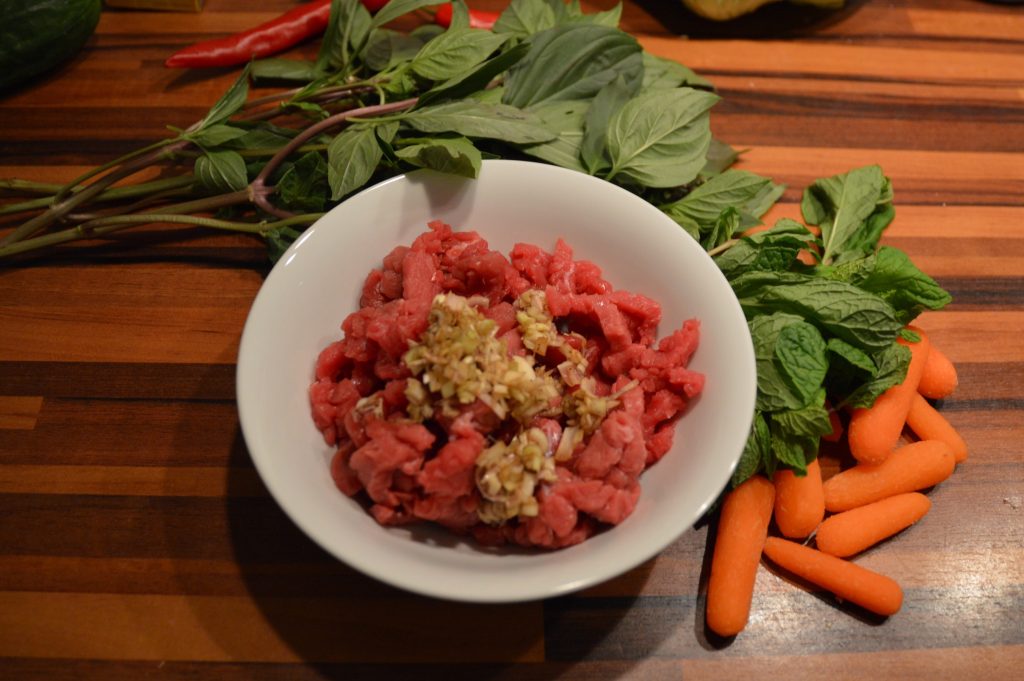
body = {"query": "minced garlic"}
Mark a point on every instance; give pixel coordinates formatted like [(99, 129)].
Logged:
[(459, 359), (507, 476)]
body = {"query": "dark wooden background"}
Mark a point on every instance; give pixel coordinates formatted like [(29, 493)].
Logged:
[(137, 542)]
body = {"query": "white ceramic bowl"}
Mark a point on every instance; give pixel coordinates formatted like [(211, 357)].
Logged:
[(316, 284)]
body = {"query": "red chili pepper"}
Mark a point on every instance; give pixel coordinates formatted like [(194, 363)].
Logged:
[(276, 35), (477, 18), (287, 30)]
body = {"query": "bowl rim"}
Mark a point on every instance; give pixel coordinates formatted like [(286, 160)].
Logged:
[(365, 563)]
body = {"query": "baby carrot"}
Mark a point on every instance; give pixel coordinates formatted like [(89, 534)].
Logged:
[(742, 529), (875, 430), (939, 377), (848, 581), (850, 532), (836, 423), (799, 501), (910, 468), (929, 424)]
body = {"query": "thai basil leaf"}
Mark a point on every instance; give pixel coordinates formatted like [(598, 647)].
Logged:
[(733, 188), (661, 138), (572, 62), (262, 136), (216, 135), (221, 171), (460, 14), (454, 52), (720, 157), (396, 8), (611, 98), (274, 68), (665, 74), (347, 33), (610, 18), (230, 102), (278, 241), (353, 156), (477, 119), (565, 121), (523, 18), (386, 49), (455, 155), (475, 80), (304, 186)]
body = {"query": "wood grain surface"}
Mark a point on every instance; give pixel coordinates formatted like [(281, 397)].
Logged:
[(137, 541)]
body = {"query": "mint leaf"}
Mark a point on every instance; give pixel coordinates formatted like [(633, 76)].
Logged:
[(660, 138), (802, 360), (773, 390), (773, 250), (755, 452), (841, 205), (854, 357), (572, 62), (841, 309), (796, 433), (894, 278), (891, 369)]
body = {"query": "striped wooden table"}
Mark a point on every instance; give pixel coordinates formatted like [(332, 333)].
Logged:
[(136, 541)]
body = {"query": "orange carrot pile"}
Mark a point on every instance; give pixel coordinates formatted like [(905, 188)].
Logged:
[(742, 529), (928, 424), (873, 500), (850, 532), (799, 501), (910, 468), (938, 378), (849, 581), (875, 430)]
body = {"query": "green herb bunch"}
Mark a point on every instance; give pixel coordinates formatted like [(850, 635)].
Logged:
[(552, 84)]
